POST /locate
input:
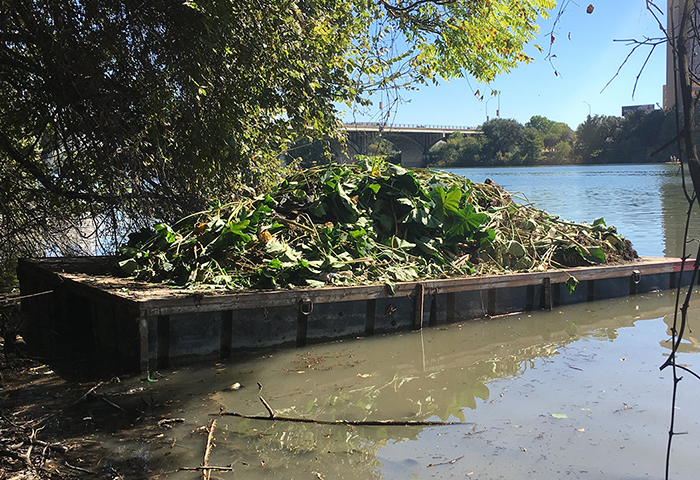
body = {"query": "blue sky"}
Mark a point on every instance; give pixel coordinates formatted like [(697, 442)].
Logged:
[(585, 63)]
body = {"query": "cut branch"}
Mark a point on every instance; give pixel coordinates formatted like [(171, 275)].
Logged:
[(394, 423), (273, 414), (203, 468), (207, 451)]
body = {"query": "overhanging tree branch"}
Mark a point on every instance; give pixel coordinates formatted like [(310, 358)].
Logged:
[(30, 167)]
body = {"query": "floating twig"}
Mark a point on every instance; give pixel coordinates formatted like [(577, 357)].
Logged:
[(203, 468), (79, 469), (273, 414), (393, 423), (168, 422), (207, 451), (446, 463), (105, 398), (85, 395)]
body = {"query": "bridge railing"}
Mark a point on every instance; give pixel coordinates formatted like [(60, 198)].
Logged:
[(450, 128)]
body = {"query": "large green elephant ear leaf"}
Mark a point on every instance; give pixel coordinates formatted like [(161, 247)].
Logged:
[(446, 202), (466, 222)]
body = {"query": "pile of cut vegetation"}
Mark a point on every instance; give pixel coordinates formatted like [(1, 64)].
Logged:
[(366, 223)]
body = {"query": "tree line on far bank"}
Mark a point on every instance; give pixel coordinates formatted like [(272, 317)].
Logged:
[(599, 139)]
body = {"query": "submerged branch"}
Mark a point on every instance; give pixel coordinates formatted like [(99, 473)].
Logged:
[(205, 468), (396, 423), (273, 416)]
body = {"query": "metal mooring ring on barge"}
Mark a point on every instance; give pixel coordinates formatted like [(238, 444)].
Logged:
[(306, 306), (636, 276)]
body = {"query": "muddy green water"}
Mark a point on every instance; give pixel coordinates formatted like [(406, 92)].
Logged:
[(571, 393)]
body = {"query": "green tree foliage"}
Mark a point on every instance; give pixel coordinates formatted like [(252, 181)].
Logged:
[(125, 110), (381, 146), (595, 136), (539, 123), (532, 147), (444, 38), (554, 138), (132, 109), (628, 139), (600, 139), (384, 149), (562, 153), (503, 137), (308, 152), (459, 150)]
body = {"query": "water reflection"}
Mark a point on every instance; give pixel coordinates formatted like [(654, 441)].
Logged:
[(674, 214), (690, 343), (445, 374)]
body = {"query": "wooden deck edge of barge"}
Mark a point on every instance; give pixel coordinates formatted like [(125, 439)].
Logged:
[(162, 301), (278, 298), (43, 270)]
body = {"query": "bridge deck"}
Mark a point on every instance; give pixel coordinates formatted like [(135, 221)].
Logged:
[(407, 128)]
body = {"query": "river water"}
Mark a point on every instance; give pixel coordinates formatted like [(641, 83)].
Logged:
[(571, 393)]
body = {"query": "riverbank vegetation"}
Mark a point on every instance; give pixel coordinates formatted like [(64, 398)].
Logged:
[(600, 139)]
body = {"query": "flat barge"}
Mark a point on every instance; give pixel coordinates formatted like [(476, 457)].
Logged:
[(76, 309)]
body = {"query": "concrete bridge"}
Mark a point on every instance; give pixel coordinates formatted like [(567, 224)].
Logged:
[(413, 141)]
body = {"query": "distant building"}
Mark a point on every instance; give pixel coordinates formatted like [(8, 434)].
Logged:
[(634, 108), (673, 19)]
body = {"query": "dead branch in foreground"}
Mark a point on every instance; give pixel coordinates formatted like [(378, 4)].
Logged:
[(394, 423), (203, 468), (207, 451)]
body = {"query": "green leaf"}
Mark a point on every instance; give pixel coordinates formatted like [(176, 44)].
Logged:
[(559, 415), (465, 222), (571, 283), (232, 234), (275, 263), (516, 249), (429, 247), (486, 237), (446, 202), (318, 209), (530, 225), (222, 279), (128, 266), (165, 232), (402, 274), (594, 255), (398, 242)]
